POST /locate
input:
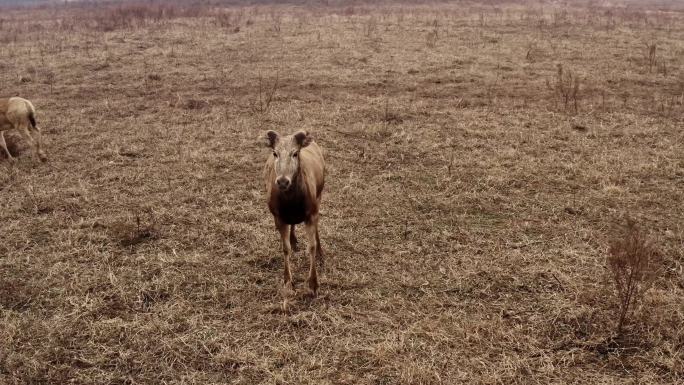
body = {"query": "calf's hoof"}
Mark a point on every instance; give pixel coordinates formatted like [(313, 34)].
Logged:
[(310, 294), (312, 290), (287, 291)]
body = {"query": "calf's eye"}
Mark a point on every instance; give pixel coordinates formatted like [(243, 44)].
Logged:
[(295, 154), (275, 154)]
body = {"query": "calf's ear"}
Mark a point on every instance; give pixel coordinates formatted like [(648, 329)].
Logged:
[(302, 138), (271, 138)]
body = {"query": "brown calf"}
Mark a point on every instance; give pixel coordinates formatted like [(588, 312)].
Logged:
[(19, 114), (294, 176)]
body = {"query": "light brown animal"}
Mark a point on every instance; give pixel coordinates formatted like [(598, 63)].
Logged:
[(294, 176), (17, 113)]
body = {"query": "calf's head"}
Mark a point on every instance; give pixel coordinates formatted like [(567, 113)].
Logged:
[(286, 155)]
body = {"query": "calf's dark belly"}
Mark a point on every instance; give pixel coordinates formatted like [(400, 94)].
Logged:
[(292, 215)]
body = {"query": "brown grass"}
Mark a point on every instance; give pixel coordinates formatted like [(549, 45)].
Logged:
[(465, 221)]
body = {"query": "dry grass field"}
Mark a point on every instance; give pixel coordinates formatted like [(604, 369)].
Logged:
[(471, 197)]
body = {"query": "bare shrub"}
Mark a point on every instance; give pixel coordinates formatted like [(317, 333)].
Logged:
[(50, 77), (11, 36), (276, 21), (634, 263), (132, 15), (224, 19), (533, 53), (651, 56), (370, 28), (123, 17), (662, 68), (491, 87), (264, 96), (128, 234), (432, 36), (390, 116), (431, 39), (566, 88), (195, 104), (229, 19)]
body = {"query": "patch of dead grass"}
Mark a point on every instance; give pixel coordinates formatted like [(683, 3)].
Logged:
[(465, 220)]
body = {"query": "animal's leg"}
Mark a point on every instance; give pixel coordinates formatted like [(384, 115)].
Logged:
[(293, 238), (24, 131), (311, 230), (319, 250), (3, 144), (39, 143), (287, 290)]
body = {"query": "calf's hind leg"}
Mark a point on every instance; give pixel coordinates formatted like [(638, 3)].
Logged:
[(293, 238), (35, 143), (24, 131), (319, 250), (39, 142)]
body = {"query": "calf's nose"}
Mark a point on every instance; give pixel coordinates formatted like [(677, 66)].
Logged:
[(283, 182)]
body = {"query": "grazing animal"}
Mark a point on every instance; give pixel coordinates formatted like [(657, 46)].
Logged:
[(17, 113), (294, 176)]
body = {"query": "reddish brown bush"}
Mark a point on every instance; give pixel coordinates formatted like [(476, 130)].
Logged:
[(634, 263)]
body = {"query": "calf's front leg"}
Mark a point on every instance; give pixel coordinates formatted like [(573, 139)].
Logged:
[(3, 144), (287, 291), (312, 249)]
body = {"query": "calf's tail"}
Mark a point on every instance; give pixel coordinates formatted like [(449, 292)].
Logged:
[(32, 119)]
